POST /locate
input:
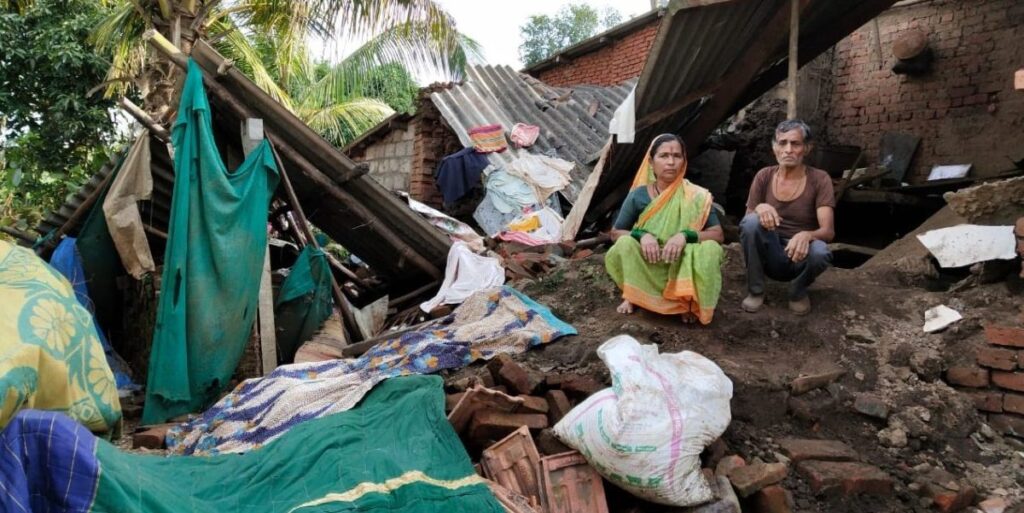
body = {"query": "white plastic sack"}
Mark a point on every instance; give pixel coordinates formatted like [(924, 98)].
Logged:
[(967, 244), (646, 433)]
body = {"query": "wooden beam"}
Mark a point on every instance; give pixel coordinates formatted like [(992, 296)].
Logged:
[(252, 135), (794, 60), (339, 298), (267, 330), (140, 115)]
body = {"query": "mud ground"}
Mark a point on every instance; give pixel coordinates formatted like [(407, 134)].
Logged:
[(867, 324)]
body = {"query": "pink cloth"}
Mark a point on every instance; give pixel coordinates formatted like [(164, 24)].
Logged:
[(523, 135)]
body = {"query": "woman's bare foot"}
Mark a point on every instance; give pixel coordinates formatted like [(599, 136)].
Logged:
[(689, 318), (625, 308)]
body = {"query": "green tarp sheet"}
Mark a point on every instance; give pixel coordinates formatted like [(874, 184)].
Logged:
[(303, 303), (211, 277), (394, 452)]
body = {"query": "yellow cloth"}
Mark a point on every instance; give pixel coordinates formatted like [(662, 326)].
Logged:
[(50, 355), (525, 225)]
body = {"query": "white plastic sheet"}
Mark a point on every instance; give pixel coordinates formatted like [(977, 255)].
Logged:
[(968, 244), (939, 318), (464, 274), (623, 123)]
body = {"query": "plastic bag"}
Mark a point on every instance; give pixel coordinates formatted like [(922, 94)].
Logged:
[(646, 433)]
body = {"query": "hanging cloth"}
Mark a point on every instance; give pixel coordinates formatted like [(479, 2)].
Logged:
[(134, 182), (523, 135), (459, 173), (211, 278)]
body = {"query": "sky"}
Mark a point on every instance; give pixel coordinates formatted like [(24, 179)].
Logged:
[(495, 25), (492, 24)]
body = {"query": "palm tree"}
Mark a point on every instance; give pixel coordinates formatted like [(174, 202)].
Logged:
[(267, 39)]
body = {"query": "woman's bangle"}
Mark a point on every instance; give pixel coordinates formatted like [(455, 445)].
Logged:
[(637, 233), (691, 236)]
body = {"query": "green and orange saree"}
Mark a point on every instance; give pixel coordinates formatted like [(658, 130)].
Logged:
[(692, 284)]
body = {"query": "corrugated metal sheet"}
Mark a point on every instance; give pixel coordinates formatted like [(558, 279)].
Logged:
[(573, 122), (699, 50), (155, 212)]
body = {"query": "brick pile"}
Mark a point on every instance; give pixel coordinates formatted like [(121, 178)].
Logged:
[(996, 381)]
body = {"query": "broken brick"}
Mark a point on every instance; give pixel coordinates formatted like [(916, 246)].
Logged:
[(1007, 424), (987, 400), (558, 405), (1005, 336), (509, 373), (480, 398), (728, 464), (748, 479), (532, 404), (845, 478), (809, 449), (580, 387), (494, 425), (153, 437), (804, 384), (950, 501), (1013, 403), (997, 358), (969, 376), (773, 499), (1008, 380)]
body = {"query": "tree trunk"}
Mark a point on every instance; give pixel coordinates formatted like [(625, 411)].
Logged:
[(161, 81)]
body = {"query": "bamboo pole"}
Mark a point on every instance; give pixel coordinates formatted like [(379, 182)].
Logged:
[(794, 60)]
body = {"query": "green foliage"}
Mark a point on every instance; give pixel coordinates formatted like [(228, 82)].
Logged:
[(393, 85), (543, 35), (53, 136)]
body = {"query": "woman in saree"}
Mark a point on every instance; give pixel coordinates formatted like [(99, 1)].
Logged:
[(667, 254)]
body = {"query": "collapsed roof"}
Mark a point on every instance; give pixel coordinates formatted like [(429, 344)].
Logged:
[(709, 59), (334, 192)]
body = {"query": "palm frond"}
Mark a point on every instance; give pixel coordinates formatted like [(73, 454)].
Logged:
[(237, 47), (120, 34), (342, 122)]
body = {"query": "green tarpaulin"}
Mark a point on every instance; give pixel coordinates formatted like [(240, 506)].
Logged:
[(211, 276), (303, 303), (394, 452)]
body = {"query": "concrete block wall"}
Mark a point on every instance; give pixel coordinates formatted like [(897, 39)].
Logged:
[(965, 109), (390, 158)]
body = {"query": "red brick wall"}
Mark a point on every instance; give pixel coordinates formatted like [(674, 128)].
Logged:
[(965, 110), (432, 141), (621, 60)]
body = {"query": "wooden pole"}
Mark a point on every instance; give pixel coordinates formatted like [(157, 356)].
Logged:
[(794, 57), (346, 312), (136, 112)]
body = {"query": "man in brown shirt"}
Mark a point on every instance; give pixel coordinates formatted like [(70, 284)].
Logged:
[(789, 221)]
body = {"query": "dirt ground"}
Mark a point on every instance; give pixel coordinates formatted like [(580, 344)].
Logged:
[(867, 324)]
